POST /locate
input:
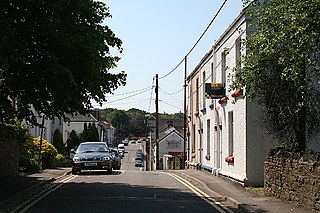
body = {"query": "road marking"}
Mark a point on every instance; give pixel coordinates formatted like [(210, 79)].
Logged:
[(32, 201), (204, 196)]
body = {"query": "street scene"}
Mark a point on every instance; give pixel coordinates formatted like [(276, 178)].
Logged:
[(160, 106), (130, 189)]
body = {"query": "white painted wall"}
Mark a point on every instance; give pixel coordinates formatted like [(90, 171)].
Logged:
[(250, 145), (172, 143)]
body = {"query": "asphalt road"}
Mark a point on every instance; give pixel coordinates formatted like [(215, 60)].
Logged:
[(127, 190)]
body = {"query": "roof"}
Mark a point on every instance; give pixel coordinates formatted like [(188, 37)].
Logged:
[(82, 118), (173, 131)]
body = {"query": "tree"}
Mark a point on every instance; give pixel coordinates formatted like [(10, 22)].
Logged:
[(89, 133), (281, 68), (55, 57), (93, 133), (73, 140), (58, 141), (121, 121)]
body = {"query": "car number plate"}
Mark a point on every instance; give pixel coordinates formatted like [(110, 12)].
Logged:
[(90, 164)]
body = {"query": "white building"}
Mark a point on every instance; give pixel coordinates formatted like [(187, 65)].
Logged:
[(76, 123), (226, 137)]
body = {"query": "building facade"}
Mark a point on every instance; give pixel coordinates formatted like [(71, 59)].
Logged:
[(225, 135)]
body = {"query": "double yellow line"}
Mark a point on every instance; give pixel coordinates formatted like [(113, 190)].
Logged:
[(32, 201), (204, 196)]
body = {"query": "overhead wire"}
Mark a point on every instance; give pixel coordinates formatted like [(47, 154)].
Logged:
[(215, 16), (129, 96), (111, 96), (165, 92), (170, 105)]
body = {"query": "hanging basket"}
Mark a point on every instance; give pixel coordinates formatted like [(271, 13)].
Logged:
[(223, 100), (236, 93)]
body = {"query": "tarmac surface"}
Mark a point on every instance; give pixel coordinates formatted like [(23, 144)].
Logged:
[(243, 198)]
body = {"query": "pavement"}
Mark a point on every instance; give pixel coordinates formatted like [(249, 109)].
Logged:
[(245, 199), (16, 186)]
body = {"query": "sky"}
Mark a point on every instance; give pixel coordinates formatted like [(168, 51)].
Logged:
[(156, 36)]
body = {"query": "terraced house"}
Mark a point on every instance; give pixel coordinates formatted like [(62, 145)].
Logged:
[(224, 133)]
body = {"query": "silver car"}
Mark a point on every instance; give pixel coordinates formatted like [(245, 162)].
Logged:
[(92, 156)]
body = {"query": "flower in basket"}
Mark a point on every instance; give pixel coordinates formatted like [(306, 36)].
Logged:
[(236, 93), (223, 100)]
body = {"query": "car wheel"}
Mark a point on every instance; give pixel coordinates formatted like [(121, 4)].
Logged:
[(74, 172), (109, 171)]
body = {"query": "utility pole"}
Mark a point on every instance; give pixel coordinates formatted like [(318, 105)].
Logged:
[(157, 121), (185, 112), (41, 139)]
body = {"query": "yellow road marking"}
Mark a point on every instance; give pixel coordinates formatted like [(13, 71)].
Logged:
[(50, 190), (204, 196)]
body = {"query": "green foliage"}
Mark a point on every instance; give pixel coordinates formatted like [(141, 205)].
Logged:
[(90, 133), (48, 152), (29, 154), (176, 116), (281, 69), (93, 134), (73, 141), (55, 56), (131, 122), (13, 129), (121, 121), (58, 142)]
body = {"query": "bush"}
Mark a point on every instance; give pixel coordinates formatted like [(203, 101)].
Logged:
[(59, 160), (29, 153), (48, 152), (58, 142)]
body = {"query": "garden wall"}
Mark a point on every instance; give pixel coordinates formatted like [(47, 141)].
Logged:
[(9, 153), (293, 176)]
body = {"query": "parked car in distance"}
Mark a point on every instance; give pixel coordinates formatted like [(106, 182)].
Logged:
[(139, 156), (91, 156), (132, 141), (116, 159), (139, 151), (121, 153), (125, 142), (138, 163), (121, 147)]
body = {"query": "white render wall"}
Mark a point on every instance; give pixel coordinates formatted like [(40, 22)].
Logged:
[(250, 145), (163, 149)]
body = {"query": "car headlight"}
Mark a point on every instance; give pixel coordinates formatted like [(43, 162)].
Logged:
[(76, 159), (106, 158)]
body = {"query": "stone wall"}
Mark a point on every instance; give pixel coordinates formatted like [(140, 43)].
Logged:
[(9, 153), (293, 176)]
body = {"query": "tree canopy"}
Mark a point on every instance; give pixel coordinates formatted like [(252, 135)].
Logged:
[(281, 68), (55, 57)]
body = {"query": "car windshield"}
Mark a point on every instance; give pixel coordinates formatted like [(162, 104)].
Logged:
[(92, 148)]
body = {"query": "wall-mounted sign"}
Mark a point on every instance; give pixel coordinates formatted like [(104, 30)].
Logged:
[(214, 91)]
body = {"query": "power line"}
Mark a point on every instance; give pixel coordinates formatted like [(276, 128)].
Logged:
[(170, 93), (170, 105), (129, 96), (215, 16), (146, 88), (172, 70)]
